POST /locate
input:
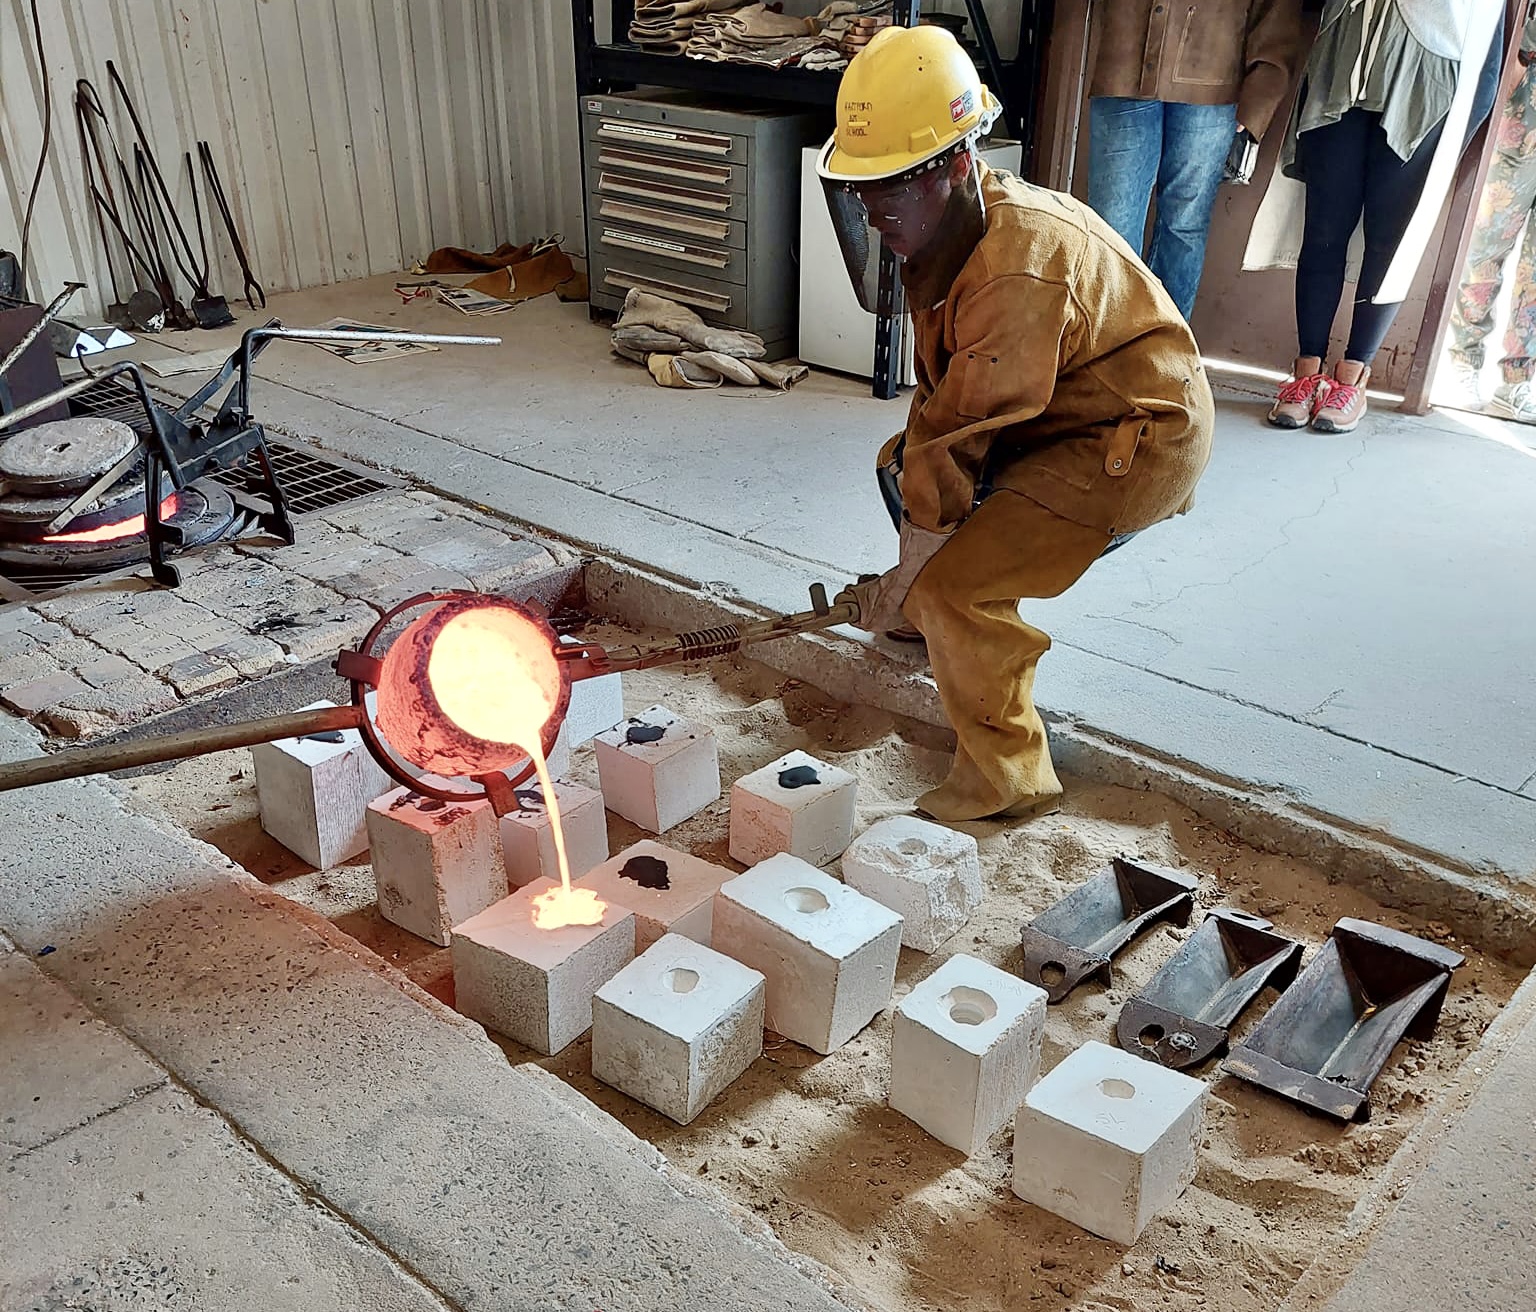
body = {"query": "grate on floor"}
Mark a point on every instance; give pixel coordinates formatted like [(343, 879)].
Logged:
[(311, 480)]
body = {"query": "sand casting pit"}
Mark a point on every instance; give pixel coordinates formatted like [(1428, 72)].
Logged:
[(807, 1142)]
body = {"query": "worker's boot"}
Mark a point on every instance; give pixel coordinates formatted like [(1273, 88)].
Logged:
[(1344, 406), (968, 793), (1306, 389)]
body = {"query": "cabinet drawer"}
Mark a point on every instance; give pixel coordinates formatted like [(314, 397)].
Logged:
[(675, 225), (714, 301), (707, 258), (695, 143), (700, 175), (605, 182)]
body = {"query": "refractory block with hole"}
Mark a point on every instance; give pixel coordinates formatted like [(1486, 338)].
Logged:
[(965, 1049), (930, 874), (528, 839), (1107, 1141), (536, 985), (828, 952), (796, 804), (669, 891), (676, 1026), (657, 770), (434, 863), (314, 793)]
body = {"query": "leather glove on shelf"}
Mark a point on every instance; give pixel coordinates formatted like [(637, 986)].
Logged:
[(880, 599)]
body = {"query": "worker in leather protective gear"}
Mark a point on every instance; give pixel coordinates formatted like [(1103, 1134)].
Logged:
[(1061, 403)]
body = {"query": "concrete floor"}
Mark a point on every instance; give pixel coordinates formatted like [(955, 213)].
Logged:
[(1343, 626)]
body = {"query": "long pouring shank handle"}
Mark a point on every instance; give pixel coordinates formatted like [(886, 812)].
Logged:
[(728, 638), (175, 747)]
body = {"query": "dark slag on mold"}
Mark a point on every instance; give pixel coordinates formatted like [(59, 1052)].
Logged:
[(798, 776), (643, 733), (647, 871)]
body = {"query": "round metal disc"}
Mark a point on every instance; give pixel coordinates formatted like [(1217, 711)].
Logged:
[(32, 508), (66, 455)]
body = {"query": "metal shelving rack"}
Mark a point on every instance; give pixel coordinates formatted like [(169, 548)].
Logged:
[(617, 65)]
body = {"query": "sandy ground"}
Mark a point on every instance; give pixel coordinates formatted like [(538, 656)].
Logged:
[(807, 1141)]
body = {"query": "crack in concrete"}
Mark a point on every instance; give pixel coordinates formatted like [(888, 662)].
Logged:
[(1455, 776), (1285, 540), (134, 1096), (1137, 624), (1323, 705), (318, 1200)]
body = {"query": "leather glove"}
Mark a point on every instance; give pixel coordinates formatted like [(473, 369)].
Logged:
[(880, 599)]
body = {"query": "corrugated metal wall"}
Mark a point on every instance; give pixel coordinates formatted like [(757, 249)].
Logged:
[(353, 135)]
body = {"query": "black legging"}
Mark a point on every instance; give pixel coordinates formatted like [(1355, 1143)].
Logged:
[(1350, 170)]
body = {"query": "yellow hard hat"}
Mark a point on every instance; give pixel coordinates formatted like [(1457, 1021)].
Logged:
[(908, 96)]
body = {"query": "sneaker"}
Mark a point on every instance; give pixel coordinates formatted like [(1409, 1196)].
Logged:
[(1460, 385), (1514, 401), (1344, 406), (1299, 398)]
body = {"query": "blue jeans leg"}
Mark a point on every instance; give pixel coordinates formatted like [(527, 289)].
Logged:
[(1125, 141), (1196, 140)]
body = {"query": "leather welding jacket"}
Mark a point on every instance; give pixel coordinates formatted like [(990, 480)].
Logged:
[(1200, 52), (1058, 367)]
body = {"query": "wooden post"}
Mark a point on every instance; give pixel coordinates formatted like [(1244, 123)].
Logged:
[(1465, 199)]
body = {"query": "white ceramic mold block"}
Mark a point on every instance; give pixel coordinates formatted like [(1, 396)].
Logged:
[(657, 770), (796, 804), (536, 985), (829, 953), (676, 1026), (596, 704), (314, 794), (669, 891), (528, 838), (1107, 1141), (930, 874), (965, 1049), (434, 863)]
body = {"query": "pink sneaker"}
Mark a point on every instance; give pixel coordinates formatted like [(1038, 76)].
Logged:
[(1300, 398)]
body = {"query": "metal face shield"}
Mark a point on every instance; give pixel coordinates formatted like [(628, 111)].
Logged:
[(905, 212), (858, 241)]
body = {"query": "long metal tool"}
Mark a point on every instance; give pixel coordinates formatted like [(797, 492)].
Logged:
[(52, 312), (589, 659), (93, 160), (174, 747), (251, 288), (158, 200), (586, 661)]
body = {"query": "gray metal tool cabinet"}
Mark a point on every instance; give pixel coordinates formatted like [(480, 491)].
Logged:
[(697, 202)]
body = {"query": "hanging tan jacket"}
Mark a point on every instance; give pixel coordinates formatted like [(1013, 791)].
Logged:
[(1200, 52), (1060, 355)]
